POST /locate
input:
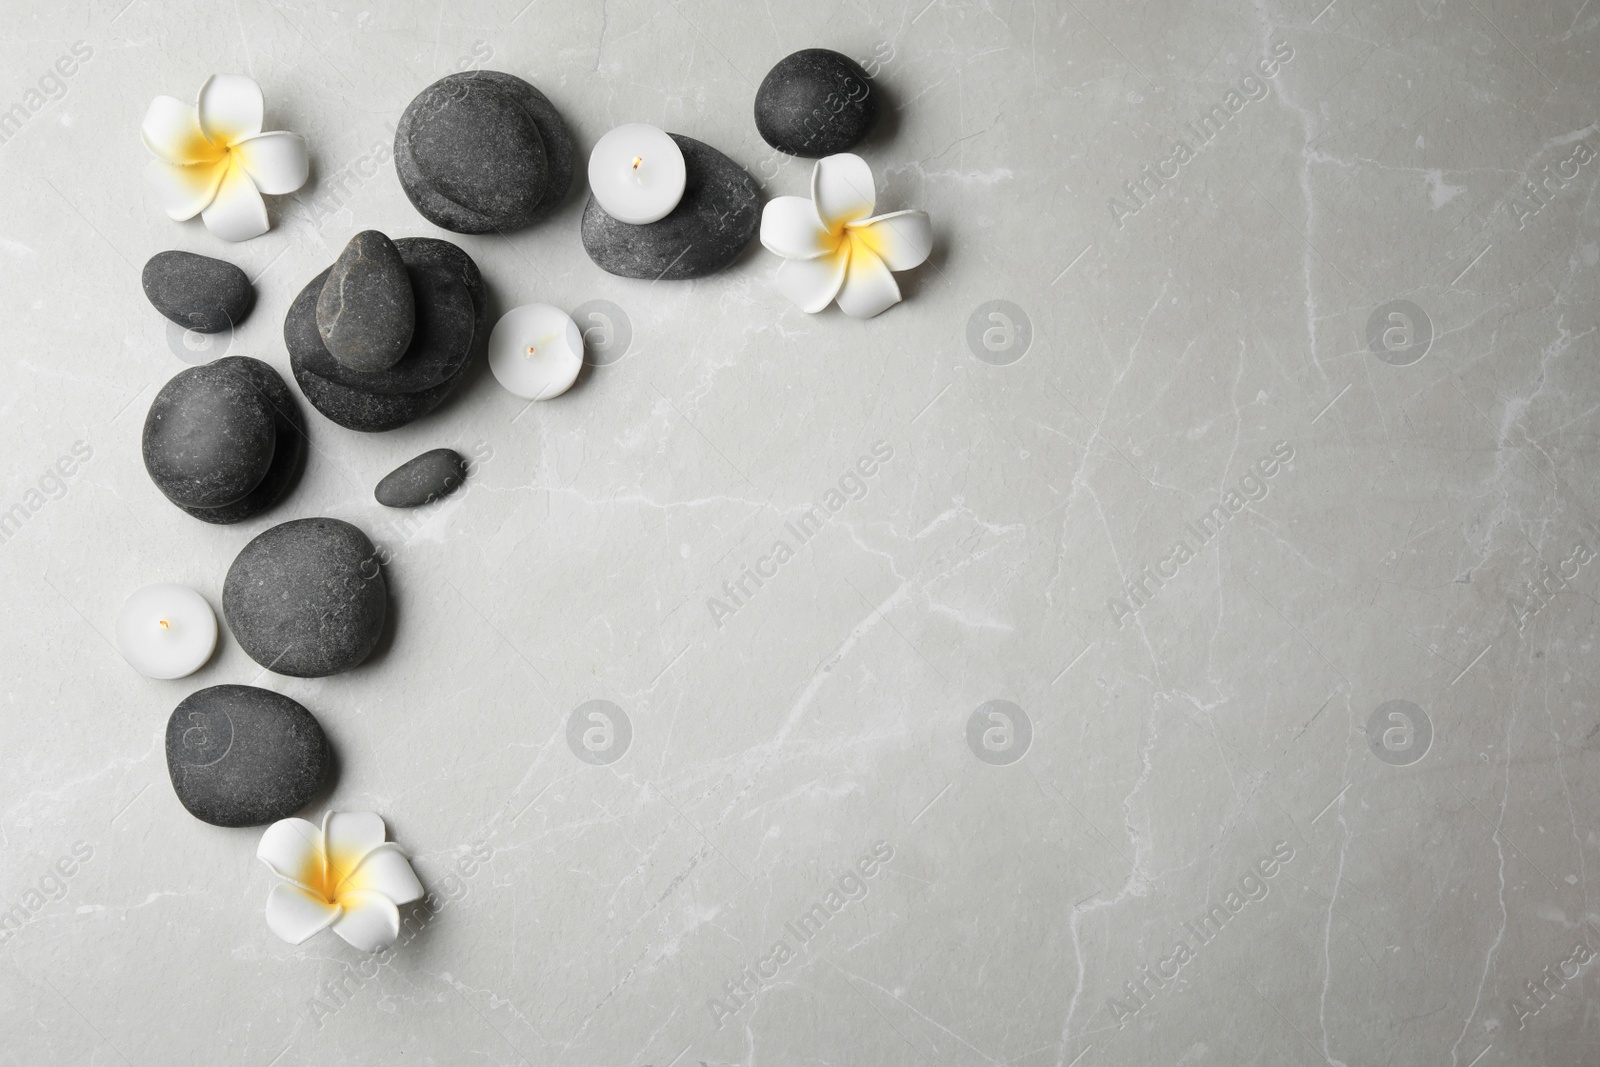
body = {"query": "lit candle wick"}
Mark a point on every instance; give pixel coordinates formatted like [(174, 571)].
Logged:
[(165, 625), (530, 350), (636, 161)]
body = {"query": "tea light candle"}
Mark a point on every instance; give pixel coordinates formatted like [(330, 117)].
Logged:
[(536, 351), (636, 173), (166, 631)]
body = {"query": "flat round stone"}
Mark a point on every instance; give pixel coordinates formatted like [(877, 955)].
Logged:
[(365, 311), (307, 598), (816, 102), (242, 756), (422, 480), (197, 292), (451, 307), (713, 223), (289, 450), (481, 151), (208, 438)]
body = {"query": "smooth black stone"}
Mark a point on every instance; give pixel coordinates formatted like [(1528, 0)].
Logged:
[(288, 455), (242, 756), (816, 102), (209, 437), (197, 292), (714, 222), (422, 480), (365, 311), (307, 598), (451, 325), (482, 151)]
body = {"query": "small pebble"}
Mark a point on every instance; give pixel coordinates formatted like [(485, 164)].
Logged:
[(422, 480), (815, 103), (197, 292), (365, 312)]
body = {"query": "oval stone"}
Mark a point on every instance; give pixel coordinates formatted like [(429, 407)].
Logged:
[(307, 598), (422, 480), (481, 151), (197, 292), (242, 756), (289, 449), (209, 437), (816, 102), (365, 310), (713, 223)]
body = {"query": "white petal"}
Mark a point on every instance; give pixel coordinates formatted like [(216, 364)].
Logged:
[(869, 288), (238, 213), (171, 129), (230, 108), (790, 227), (902, 239), (370, 920), (276, 161), (842, 188), (347, 837), (184, 191), (384, 870), (813, 283), (294, 915), (293, 849)]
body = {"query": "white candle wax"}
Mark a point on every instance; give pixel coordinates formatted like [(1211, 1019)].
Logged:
[(166, 631), (536, 351), (636, 173)]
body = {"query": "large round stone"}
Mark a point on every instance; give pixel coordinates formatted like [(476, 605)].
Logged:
[(209, 437), (242, 756), (197, 292), (483, 151), (816, 102), (289, 449), (307, 598), (714, 222)]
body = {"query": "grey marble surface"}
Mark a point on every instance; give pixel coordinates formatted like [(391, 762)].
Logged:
[(1181, 729)]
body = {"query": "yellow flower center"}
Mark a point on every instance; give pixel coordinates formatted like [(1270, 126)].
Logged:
[(323, 873)]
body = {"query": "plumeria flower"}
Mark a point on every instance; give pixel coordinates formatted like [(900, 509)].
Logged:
[(214, 161), (344, 875), (834, 248)]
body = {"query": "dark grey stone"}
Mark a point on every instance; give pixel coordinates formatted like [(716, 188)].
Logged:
[(242, 756), (289, 451), (816, 102), (451, 309), (307, 598), (422, 480), (197, 292), (209, 437), (714, 222), (365, 311), (483, 151)]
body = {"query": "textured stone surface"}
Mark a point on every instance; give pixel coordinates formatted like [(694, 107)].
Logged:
[(587, 913), (481, 151), (307, 598), (423, 480), (290, 444), (209, 437), (242, 756), (197, 292), (366, 312), (451, 327), (714, 222), (816, 102)]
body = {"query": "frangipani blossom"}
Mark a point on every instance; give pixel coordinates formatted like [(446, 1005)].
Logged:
[(835, 248), (214, 161), (344, 875)]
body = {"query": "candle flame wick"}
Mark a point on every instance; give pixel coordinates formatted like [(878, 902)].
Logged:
[(530, 350), (165, 625), (636, 161)]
